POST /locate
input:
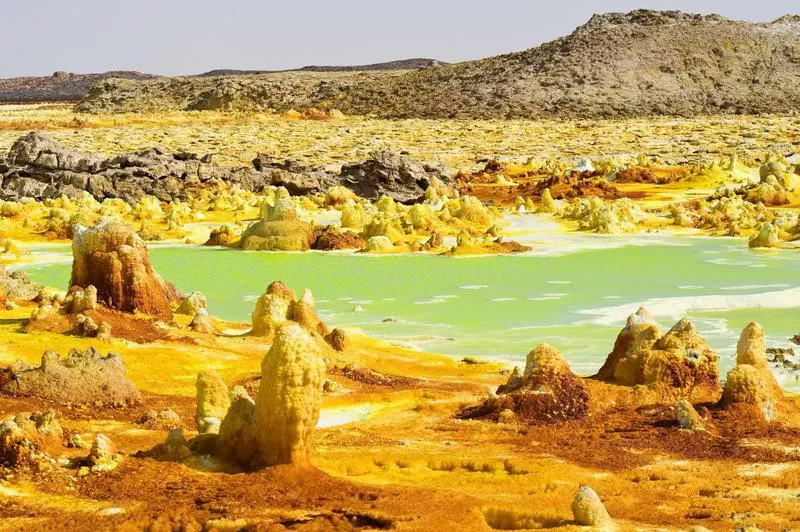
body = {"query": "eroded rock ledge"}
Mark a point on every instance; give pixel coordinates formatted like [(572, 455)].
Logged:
[(38, 167)]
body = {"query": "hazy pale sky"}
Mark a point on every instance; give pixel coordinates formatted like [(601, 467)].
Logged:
[(193, 36)]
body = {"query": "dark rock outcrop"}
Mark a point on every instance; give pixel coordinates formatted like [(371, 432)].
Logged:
[(392, 174), (40, 168), (298, 179)]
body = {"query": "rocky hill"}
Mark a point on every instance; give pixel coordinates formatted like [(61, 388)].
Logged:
[(66, 86), (617, 65), (60, 87), (402, 64)]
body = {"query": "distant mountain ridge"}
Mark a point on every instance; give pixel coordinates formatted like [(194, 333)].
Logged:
[(60, 86), (66, 86), (642, 63), (402, 64)]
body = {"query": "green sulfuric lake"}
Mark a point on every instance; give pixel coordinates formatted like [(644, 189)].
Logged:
[(574, 292)]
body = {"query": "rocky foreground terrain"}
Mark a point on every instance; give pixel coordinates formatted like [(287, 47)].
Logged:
[(641, 63)]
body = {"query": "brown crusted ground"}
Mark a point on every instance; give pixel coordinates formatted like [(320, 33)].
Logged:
[(622, 439), (125, 326), (183, 406), (330, 238), (365, 380), (658, 175), (550, 396), (293, 498), (412, 465), (532, 183), (575, 185), (625, 442)]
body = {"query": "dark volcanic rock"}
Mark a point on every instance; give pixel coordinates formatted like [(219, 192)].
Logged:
[(299, 180), (401, 177), (38, 167)]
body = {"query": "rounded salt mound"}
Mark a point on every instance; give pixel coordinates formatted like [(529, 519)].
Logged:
[(746, 384), (588, 509), (545, 357), (751, 382), (750, 349)]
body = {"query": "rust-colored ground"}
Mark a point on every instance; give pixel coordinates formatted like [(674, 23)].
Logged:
[(406, 462)]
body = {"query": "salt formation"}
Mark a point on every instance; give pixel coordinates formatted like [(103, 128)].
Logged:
[(384, 224), (221, 236), (111, 257), (277, 427), (354, 216), (280, 304), (338, 195), (192, 303), (102, 455), (775, 185), (546, 391), (337, 339), (766, 237), (202, 322), (289, 398), (688, 418), (751, 382), (17, 285), (272, 309), (279, 228), (77, 308), (20, 439), (212, 402), (472, 210), (544, 358), (164, 419), (676, 364), (80, 299), (237, 432), (79, 378), (548, 204), (595, 214), (377, 244), (588, 509)]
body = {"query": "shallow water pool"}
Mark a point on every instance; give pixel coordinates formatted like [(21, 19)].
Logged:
[(574, 296)]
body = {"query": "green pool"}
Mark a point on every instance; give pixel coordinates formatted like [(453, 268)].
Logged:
[(574, 296)]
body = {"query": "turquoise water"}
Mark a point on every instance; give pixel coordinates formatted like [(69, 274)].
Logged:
[(501, 306)]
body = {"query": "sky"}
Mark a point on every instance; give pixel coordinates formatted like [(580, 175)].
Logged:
[(171, 37)]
